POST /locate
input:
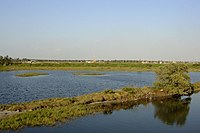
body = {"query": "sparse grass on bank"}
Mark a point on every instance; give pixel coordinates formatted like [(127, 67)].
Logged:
[(31, 74)]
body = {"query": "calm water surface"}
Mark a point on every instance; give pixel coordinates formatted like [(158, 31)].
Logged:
[(164, 116), (65, 84)]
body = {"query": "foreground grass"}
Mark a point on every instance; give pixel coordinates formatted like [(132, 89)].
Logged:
[(30, 74), (51, 111)]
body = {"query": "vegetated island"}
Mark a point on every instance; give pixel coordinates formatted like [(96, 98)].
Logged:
[(172, 81), (31, 74)]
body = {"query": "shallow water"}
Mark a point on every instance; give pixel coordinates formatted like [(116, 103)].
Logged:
[(65, 84)]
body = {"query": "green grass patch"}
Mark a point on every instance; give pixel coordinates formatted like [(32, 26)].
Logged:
[(30, 74), (109, 91), (101, 66)]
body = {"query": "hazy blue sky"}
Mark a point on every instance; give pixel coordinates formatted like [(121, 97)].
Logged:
[(106, 29)]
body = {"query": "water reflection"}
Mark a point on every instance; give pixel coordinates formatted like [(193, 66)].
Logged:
[(169, 111), (109, 107), (172, 111), (176, 114)]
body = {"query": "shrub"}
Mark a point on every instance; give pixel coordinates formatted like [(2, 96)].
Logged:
[(175, 79)]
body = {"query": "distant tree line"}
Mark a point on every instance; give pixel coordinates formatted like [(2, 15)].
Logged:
[(7, 60)]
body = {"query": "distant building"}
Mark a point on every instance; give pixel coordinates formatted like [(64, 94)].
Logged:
[(93, 61), (31, 61)]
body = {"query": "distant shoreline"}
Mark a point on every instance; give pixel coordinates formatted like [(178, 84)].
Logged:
[(103, 66)]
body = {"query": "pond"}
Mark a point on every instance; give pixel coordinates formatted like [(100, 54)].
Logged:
[(65, 84), (159, 116), (68, 84)]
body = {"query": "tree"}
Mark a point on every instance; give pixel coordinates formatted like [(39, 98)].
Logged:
[(1, 60), (7, 60), (175, 79)]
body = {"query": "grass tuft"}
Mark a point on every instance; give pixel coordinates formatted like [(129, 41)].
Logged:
[(109, 91)]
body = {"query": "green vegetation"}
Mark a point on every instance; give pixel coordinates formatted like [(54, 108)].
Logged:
[(100, 66), (196, 86), (172, 81), (8, 64), (109, 91), (49, 116), (175, 79), (30, 74), (6, 60), (50, 111)]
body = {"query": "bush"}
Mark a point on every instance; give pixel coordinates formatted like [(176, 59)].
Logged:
[(175, 79)]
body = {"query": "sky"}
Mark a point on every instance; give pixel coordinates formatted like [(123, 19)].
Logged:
[(101, 29)]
